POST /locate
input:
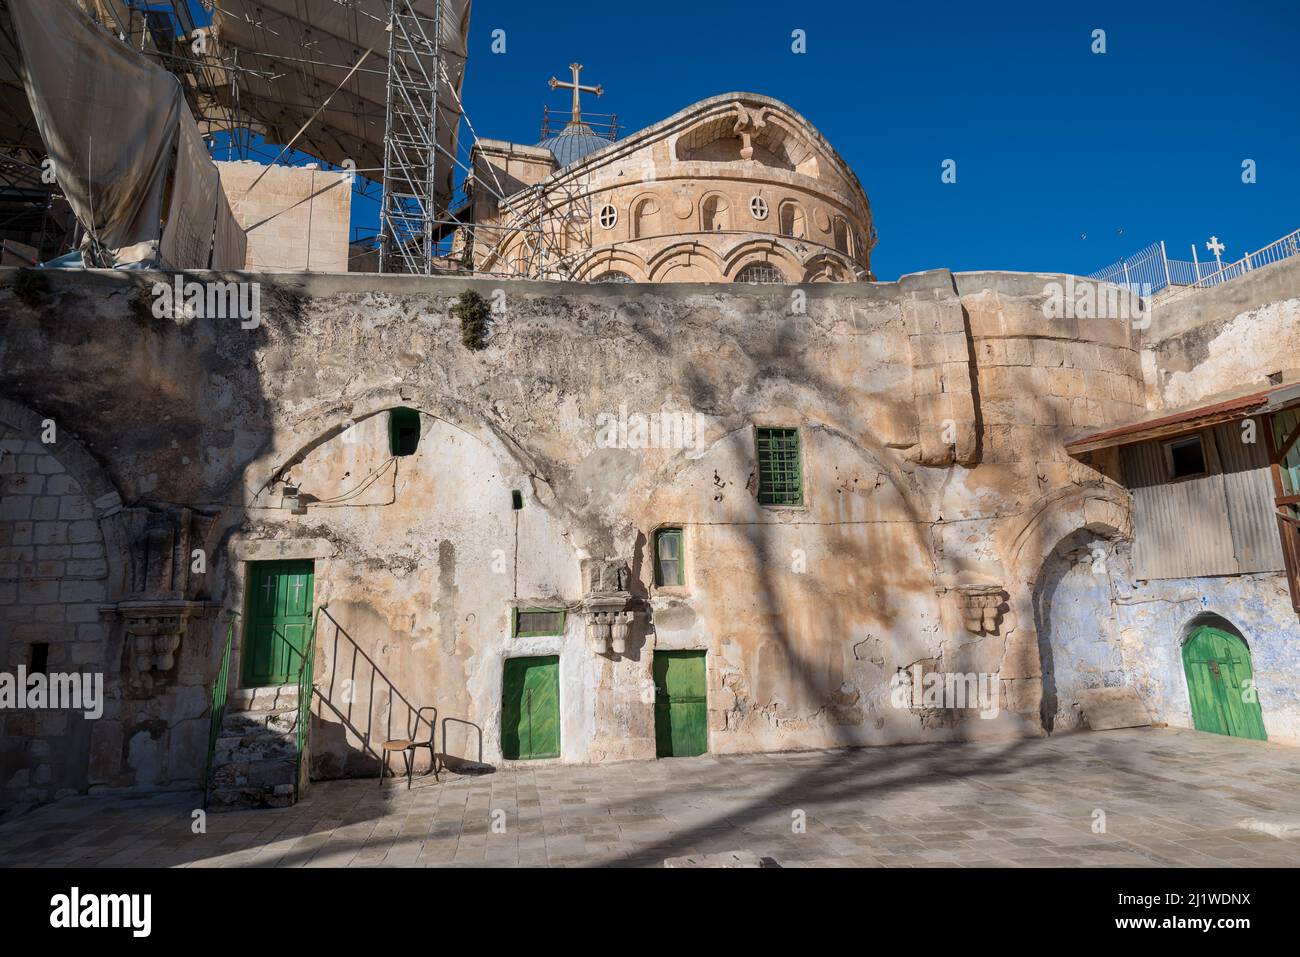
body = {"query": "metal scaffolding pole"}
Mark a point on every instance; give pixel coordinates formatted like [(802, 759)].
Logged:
[(409, 208)]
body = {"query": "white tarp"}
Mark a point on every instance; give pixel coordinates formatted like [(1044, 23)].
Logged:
[(231, 249), (196, 193), (106, 115)]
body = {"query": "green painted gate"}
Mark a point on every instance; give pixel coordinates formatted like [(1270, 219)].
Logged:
[(530, 708), (681, 704), (1218, 669), (278, 621)]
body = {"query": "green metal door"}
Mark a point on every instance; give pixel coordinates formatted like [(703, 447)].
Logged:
[(530, 708), (277, 622), (1220, 686), (681, 704)]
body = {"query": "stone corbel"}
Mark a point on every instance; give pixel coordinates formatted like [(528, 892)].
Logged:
[(748, 124), (608, 622), (154, 630), (980, 607), (608, 605)]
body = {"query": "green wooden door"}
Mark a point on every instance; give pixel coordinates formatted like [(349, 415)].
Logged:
[(681, 704), (1218, 669), (530, 708), (277, 622)]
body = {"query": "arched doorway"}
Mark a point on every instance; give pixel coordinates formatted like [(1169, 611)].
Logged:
[(1220, 684)]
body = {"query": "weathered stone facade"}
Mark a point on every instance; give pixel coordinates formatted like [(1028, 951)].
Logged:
[(938, 513)]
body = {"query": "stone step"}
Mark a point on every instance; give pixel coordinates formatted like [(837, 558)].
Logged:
[(264, 746), (254, 722), (256, 773), (281, 698), (239, 798)]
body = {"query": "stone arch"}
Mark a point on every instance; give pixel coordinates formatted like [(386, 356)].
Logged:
[(62, 557), (1210, 619), (827, 267), (93, 482), (645, 217), (759, 250), (1077, 636), (323, 423), (700, 261), (841, 235), (1029, 544), (715, 213), (792, 220), (602, 261)]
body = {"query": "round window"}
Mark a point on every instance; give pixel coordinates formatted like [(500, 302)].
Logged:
[(758, 207), (608, 216)]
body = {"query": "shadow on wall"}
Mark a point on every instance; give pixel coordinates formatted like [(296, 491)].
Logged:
[(358, 735)]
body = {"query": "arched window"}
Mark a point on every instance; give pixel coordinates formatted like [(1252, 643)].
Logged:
[(760, 272), (792, 221), (613, 276), (645, 218), (841, 235), (714, 214)]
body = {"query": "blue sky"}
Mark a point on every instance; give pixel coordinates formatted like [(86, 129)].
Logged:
[(1052, 142), (1066, 160)]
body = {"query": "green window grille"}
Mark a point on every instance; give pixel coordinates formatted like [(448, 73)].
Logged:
[(403, 431), (668, 557), (780, 479), (536, 622)]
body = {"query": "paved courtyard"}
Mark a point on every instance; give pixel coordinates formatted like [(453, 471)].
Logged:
[(1169, 798)]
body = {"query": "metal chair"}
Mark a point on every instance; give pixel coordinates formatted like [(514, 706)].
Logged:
[(407, 747)]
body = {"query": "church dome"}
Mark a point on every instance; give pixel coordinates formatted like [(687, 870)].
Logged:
[(573, 143)]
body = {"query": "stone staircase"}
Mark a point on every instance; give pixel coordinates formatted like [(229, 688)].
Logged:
[(256, 754)]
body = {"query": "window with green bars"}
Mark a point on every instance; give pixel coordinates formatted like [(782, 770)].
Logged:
[(780, 477), (669, 569)]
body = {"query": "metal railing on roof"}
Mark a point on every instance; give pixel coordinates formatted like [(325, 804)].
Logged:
[(1150, 270)]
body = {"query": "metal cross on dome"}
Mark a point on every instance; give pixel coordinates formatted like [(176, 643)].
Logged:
[(578, 89)]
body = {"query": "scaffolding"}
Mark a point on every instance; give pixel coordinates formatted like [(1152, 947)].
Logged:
[(409, 205)]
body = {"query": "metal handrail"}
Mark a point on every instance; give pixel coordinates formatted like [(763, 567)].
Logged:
[(306, 686), (461, 721), (220, 696)]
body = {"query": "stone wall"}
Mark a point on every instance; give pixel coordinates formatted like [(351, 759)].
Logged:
[(1204, 341), (296, 218), (53, 579), (936, 495)]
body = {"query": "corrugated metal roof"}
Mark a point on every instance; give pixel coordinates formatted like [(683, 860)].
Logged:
[(1162, 423)]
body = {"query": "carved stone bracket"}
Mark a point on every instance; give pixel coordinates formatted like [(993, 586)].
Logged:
[(608, 606), (154, 630), (980, 607)]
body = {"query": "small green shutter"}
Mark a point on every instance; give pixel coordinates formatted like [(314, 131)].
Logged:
[(403, 431), (780, 474), (278, 620), (530, 708), (1220, 685), (681, 704)]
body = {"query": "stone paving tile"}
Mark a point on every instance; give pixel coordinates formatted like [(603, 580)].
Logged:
[(1171, 798)]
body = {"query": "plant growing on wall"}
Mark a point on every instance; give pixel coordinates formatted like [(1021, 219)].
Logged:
[(473, 312)]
